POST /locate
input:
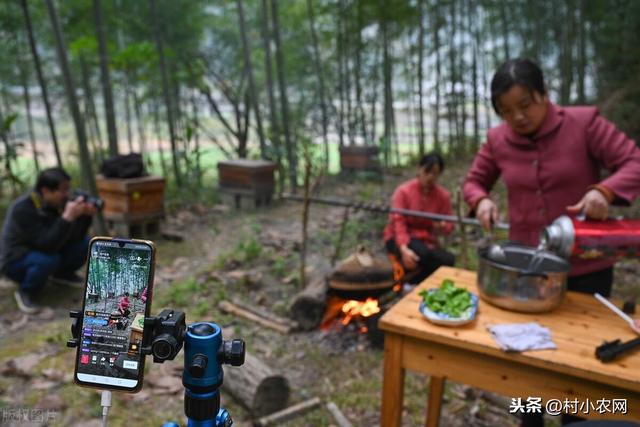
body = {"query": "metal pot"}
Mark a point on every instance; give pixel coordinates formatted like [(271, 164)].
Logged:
[(505, 278)]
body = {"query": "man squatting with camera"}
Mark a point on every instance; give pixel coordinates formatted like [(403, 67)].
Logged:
[(45, 234)]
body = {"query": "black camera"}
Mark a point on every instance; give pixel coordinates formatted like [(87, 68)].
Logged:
[(166, 335), (88, 198)]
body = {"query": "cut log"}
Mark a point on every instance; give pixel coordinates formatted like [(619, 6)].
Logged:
[(289, 413), (256, 386), (262, 312), (308, 306), (228, 307)]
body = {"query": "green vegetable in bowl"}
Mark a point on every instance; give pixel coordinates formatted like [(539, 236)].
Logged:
[(447, 299)]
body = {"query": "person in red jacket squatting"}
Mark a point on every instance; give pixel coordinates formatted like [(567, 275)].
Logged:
[(550, 158), (411, 239)]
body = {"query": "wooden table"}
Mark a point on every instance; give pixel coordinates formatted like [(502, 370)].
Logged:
[(469, 355)]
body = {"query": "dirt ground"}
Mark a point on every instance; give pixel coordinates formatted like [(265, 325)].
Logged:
[(253, 257)]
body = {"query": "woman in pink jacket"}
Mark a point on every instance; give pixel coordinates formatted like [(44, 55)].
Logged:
[(550, 158)]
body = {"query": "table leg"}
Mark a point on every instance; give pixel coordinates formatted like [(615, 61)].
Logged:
[(393, 382), (434, 402)]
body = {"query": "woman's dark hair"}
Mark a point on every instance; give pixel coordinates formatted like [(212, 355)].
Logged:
[(51, 179), (429, 160), (519, 71)]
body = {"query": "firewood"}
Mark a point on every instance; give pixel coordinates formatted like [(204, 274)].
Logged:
[(341, 420), (229, 307), (307, 307), (289, 413), (256, 386), (260, 311)]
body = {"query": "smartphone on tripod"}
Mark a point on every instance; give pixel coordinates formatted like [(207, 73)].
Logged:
[(117, 298)]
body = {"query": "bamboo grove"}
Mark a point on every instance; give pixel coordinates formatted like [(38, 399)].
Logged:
[(178, 80)]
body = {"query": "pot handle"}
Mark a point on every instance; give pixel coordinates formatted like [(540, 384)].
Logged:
[(529, 273)]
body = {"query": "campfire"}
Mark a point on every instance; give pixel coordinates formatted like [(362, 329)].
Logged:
[(353, 308), (341, 312)]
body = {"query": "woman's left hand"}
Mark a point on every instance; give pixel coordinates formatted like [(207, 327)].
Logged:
[(593, 204)]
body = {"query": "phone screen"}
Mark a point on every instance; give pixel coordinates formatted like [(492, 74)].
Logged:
[(117, 299)]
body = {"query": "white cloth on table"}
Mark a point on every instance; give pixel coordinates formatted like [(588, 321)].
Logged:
[(522, 336)]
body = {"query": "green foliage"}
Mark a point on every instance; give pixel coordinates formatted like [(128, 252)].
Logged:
[(179, 294), (202, 45)]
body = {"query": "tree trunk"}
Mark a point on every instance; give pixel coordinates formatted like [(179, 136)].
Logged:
[(358, 73), (566, 26), (421, 17), (461, 72), (85, 161), (196, 139), (488, 108), (139, 120), (27, 104), (305, 217), (340, 77), (157, 130), (475, 34), (91, 107), (436, 107), (319, 75), (253, 94), (388, 94), (452, 111), (374, 95), (505, 29), (409, 81), (273, 111), (7, 154), (127, 114), (582, 53), (284, 100), (165, 90), (308, 306), (346, 74), (41, 81), (105, 78)]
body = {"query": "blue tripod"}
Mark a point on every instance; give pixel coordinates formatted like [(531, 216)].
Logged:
[(205, 353)]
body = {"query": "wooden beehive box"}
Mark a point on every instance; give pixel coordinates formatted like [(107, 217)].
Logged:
[(251, 176), (359, 158), (132, 199)]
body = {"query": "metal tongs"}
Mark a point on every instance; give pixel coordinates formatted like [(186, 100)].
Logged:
[(612, 349)]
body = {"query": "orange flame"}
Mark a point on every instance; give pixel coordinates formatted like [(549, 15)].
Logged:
[(354, 308)]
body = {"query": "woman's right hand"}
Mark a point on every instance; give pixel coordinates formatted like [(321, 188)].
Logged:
[(487, 213), (409, 258)]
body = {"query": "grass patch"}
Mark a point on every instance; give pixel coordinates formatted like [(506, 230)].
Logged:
[(179, 294), (56, 332), (246, 251)]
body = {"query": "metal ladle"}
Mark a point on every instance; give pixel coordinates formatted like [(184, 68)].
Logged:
[(496, 253)]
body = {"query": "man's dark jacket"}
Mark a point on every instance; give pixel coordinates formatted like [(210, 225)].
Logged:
[(30, 226)]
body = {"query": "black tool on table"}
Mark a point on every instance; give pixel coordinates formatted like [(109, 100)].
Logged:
[(612, 349)]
